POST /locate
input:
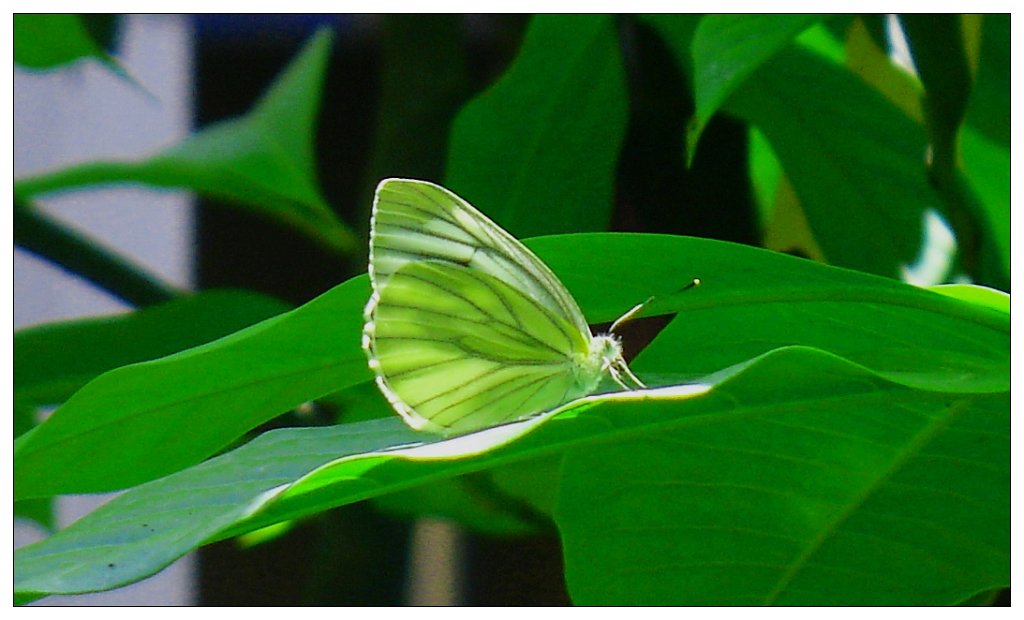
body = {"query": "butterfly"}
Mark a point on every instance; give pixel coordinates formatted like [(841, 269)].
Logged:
[(465, 327)]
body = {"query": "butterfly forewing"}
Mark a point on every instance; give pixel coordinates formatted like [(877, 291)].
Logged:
[(416, 220), (456, 349)]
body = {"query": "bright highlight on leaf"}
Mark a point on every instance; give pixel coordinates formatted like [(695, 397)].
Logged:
[(466, 328)]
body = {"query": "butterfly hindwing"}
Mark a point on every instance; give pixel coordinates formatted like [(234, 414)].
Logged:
[(455, 348)]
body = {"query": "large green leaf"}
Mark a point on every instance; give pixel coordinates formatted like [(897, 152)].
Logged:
[(852, 492), (959, 359), (146, 420), (726, 50), (51, 361), (539, 148), (263, 482), (263, 160)]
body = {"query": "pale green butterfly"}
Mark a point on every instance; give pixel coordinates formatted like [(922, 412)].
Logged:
[(466, 328)]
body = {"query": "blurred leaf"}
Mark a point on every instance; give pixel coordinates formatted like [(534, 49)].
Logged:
[(39, 511), (52, 361), (146, 420), (424, 81), (49, 41), (727, 49), (788, 230), (104, 28), (263, 161), (821, 38), (982, 599), (883, 405), (265, 534), (870, 61), (765, 174), (985, 145), (678, 31), (989, 109), (537, 151), (534, 481), (986, 167), (855, 161), (463, 500)]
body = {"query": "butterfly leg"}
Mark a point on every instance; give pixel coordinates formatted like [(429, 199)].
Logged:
[(629, 373), (618, 369)]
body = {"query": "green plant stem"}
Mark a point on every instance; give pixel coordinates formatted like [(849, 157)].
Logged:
[(44, 236), (937, 44)]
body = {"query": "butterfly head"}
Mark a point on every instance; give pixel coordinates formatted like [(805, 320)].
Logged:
[(603, 357)]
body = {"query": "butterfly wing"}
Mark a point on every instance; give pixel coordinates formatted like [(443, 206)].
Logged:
[(416, 220), (455, 349)]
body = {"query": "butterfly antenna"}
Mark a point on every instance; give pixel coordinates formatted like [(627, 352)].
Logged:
[(693, 283), (630, 313)]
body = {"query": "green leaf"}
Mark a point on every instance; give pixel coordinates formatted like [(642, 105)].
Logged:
[(471, 501), (765, 174), (821, 38), (538, 150), (989, 109), (49, 41), (678, 32), (139, 422), (983, 296), (982, 599), (533, 482), (52, 361), (424, 81), (851, 492), (868, 58), (986, 169), (985, 143), (727, 49), (165, 518), (954, 368), (263, 160), (855, 160), (38, 510)]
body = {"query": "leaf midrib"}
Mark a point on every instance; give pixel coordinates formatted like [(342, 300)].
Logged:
[(922, 438)]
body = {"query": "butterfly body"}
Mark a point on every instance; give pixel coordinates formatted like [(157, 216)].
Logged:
[(466, 328)]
